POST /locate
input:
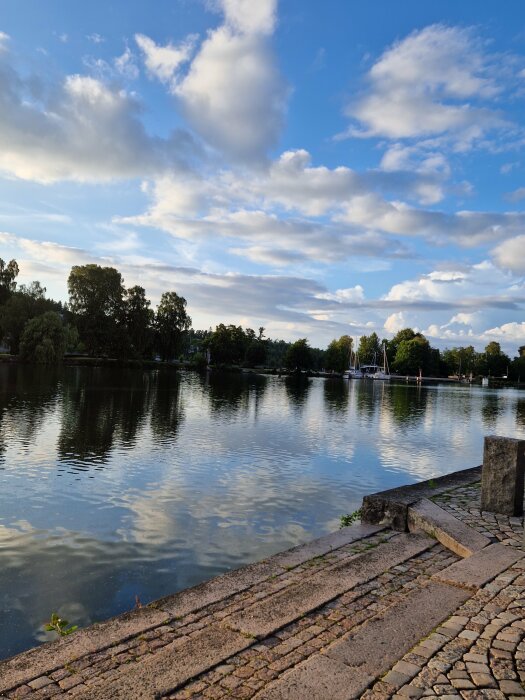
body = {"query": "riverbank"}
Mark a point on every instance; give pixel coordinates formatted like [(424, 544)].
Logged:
[(323, 619)]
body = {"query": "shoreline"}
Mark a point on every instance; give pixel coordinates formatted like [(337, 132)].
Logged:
[(194, 640)]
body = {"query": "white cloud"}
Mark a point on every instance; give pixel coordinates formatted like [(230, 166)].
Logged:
[(510, 254), (426, 85), (164, 62), (395, 322), (125, 65), (96, 38), (233, 94), (251, 18), (516, 195), (82, 129), (508, 333)]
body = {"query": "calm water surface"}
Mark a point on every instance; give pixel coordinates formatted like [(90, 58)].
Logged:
[(116, 484)]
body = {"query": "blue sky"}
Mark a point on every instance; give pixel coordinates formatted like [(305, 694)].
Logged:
[(315, 168)]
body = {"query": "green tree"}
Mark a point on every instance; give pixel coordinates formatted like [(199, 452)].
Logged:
[(139, 321), (257, 349), (369, 349), (337, 357), (23, 305), (8, 274), (44, 339), (228, 344), (171, 322), (96, 298), (412, 356), (392, 345), (299, 355), (497, 361)]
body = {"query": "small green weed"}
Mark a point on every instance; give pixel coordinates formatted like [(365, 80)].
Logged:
[(432, 483), (59, 625), (346, 520)]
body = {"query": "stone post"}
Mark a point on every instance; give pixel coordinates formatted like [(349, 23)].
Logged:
[(502, 476)]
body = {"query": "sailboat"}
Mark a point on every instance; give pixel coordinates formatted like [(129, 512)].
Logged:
[(383, 372), (354, 371)]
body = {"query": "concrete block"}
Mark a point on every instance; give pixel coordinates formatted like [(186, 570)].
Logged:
[(502, 476), (450, 531), (483, 566)]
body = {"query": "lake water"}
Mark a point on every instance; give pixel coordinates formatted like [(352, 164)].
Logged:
[(123, 483)]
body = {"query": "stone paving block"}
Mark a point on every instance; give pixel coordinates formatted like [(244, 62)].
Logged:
[(376, 646), (480, 568), (173, 665), (450, 531), (318, 678), (267, 616)]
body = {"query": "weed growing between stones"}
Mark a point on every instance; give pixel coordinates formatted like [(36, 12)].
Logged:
[(350, 518), (59, 625)]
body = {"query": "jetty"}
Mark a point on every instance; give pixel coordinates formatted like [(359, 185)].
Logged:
[(425, 597)]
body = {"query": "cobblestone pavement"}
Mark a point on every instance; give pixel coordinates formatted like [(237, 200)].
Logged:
[(479, 652)]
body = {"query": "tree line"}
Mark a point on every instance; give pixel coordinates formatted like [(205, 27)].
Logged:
[(103, 318)]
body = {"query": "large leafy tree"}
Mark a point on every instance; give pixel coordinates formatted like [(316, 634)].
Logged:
[(8, 274), (172, 323), (228, 344), (44, 339), (369, 349), (299, 355), (257, 348), (139, 321), (497, 361), (23, 304), (413, 355), (96, 298), (338, 353)]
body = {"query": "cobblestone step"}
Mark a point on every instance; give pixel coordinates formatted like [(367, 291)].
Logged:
[(346, 668), (450, 531)]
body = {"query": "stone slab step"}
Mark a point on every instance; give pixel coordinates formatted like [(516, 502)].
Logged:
[(175, 664), (48, 657), (198, 597), (450, 531), (483, 566), (267, 616), (346, 668)]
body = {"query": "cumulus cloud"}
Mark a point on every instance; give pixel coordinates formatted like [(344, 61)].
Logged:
[(82, 129), (510, 254), (233, 94), (425, 85), (164, 62)]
